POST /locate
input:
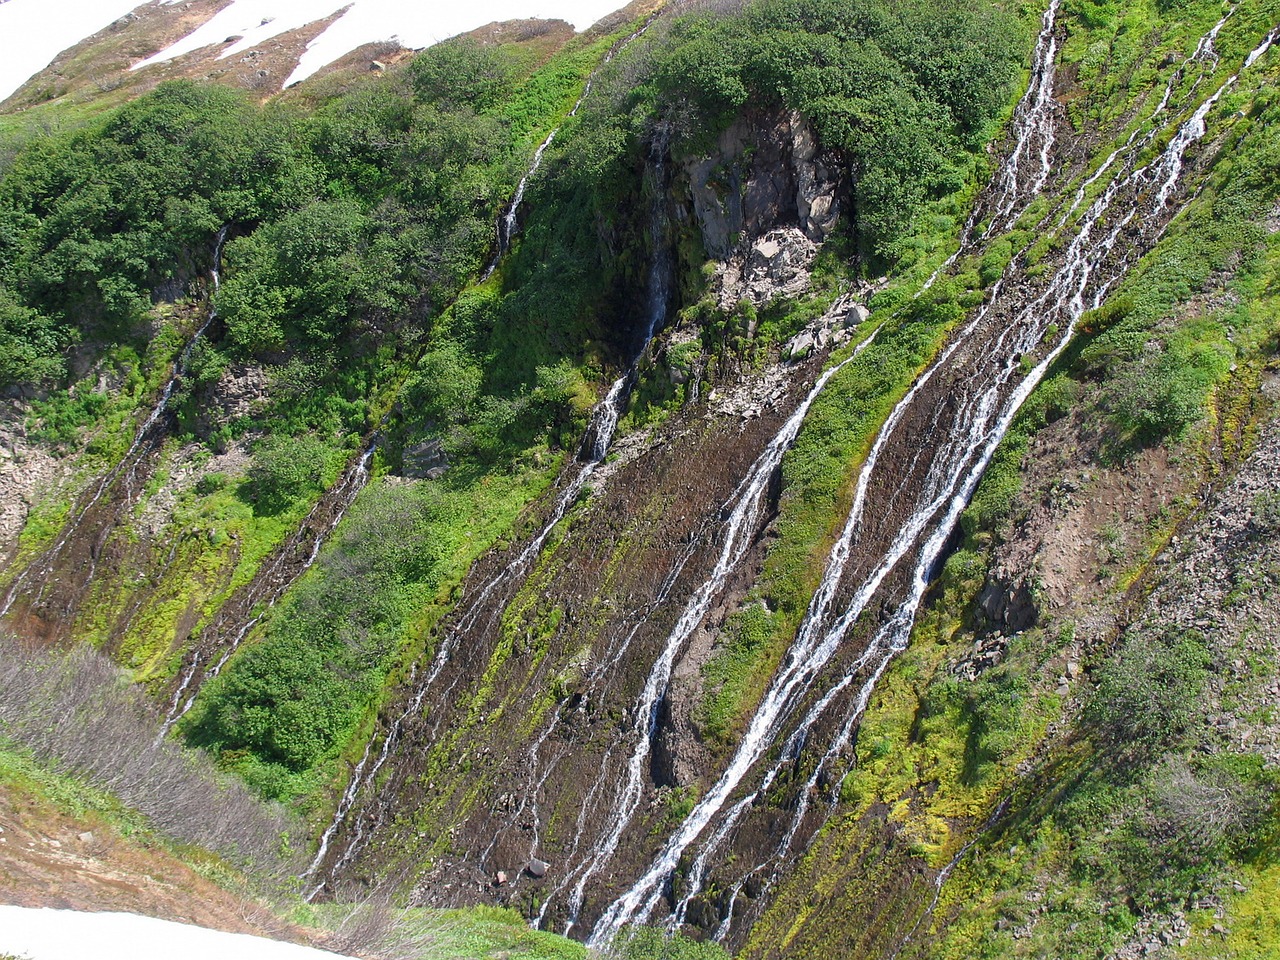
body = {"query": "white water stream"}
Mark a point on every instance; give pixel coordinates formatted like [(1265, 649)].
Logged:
[(599, 435), (127, 465), (507, 223), (985, 409), (744, 511)]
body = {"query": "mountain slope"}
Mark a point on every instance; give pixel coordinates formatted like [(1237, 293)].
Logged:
[(659, 560)]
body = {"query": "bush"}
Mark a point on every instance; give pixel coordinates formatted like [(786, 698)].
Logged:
[(284, 703), (31, 345), (1147, 697), (649, 943), (285, 469), (1265, 511)]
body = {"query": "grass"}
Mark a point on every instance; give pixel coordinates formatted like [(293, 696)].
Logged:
[(474, 933), (935, 754)]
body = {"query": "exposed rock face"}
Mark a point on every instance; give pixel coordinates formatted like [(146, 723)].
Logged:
[(775, 265), (28, 473), (426, 460), (763, 201), (1008, 601), (239, 392)]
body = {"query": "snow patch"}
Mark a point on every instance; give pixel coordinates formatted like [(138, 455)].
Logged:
[(365, 21), (72, 935), (34, 32)]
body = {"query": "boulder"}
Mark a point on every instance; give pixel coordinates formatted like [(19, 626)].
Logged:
[(426, 460)]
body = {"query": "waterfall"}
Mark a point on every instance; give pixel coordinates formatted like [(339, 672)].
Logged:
[(952, 420), (743, 511), (126, 467), (1034, 111), (483, 599), (1032, 121), (509, 221)]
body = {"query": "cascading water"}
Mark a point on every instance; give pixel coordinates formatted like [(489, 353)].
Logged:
[(145, 440), (508, 222), (1033, 112), (1032, 125), (743, 513), (958, 412), (286, 565), (482, 600)]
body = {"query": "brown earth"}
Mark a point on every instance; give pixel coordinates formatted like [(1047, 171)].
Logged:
[(52, 858)]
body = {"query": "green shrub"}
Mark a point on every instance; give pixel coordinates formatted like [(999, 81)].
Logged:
[(649, 943), (285, 469), (1147, 697)]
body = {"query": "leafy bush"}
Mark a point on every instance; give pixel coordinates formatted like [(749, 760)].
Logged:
[(31, 345), (898, 88), (650, 943), (287, 701), (285, 469), (1147, 696)]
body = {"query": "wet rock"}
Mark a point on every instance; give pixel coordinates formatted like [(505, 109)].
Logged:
[(767, 171), (426, 460)]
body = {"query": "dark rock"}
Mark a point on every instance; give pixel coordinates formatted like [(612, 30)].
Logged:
[(426, 460)]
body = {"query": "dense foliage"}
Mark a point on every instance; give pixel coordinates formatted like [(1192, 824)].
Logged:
[(901, 89)]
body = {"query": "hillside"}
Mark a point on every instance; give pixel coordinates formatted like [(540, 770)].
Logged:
[(796, 475)]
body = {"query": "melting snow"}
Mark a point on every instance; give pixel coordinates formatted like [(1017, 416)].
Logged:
[(71, 935), (33, 32)]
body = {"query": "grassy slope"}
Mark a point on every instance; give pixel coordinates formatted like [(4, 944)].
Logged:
[(90, 852), (935, 756)]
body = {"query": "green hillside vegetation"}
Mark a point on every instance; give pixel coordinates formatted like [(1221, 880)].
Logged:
[(1074, 822), (353, 233), (1065, 814)]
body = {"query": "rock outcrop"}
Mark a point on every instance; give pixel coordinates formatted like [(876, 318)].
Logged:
[(764, 200)]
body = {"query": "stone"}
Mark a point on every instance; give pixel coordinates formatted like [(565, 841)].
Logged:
[(500, 878), (538, 868), (86, 837), (426, 460), (800, 347), (858, 313)]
